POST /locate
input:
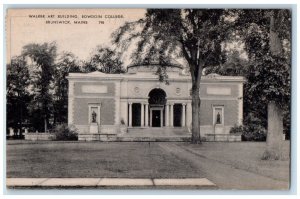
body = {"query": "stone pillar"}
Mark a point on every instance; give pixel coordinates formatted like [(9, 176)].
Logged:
[(71, 102), (183, 115), (124, 111), (146, 115), (130, 115), (167, 112), (189, 114), (240, 105), (172, 114), (117, 102), (161, 118), (150, 117), (142, 115)]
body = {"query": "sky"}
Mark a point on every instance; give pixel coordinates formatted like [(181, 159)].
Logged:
[(26, 26), (63, 26)]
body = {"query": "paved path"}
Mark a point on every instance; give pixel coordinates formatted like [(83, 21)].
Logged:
[(108, 182), (223, 175)]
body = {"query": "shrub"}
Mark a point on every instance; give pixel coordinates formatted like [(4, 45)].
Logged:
[(237, 130), (64, 132), (122, 122), (250, 132), (271, 155), (254, 132)]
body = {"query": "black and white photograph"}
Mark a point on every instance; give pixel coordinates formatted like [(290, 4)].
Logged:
[(148, 98)]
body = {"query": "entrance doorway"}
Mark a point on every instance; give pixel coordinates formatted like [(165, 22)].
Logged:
[(156, 117), (157, 102)]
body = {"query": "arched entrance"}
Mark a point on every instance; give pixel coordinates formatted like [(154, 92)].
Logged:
[(157, 102)]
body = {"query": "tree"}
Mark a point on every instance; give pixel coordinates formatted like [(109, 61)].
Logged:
[(267, 38), (105, 60), (43, 58), (234, 65), (196, 35), (17, 92), (67, 62)]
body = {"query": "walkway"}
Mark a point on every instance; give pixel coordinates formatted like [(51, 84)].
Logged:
[(108, 182)]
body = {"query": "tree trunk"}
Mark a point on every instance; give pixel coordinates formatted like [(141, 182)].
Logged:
[(274, 41), (45, 125), (275, 120), (275, 132), (196, 114), (21, 118), (19, 105)]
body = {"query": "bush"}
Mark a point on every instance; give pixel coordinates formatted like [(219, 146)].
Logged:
[(250, 132), (122, 122), (237, 130), (64, 132), (271, 155), (254, 132)]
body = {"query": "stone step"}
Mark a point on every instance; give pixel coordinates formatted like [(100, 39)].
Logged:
[(155, 135), (154, 139), (159, 130)]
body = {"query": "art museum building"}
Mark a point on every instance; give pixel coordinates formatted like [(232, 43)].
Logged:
[(115, 106)]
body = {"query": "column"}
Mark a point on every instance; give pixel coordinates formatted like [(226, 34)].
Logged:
[(150, 118), (130, 115), (117, 102), (167, 112), (171, 114), (183, 115), (142, 115), (124, 111), (189, 114), (146, 115), (161, 118), (71, 102), (240, 105)]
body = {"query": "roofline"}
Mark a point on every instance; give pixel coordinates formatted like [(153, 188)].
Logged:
[(168, 65), (124, 76)]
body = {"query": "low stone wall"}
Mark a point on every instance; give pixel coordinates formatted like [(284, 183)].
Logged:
[(97, 137), (113, 137), (209, 129), (103, 129), (39, 136), (223, 137)]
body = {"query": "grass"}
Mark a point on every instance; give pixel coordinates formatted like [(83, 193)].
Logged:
[(138, 160), (94, 159), (246, 156)]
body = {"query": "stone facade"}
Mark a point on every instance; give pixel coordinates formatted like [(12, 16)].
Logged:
[(137, 99)]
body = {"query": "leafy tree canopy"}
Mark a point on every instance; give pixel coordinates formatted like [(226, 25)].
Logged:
[(194, 34), (267, 42), (105, 60)]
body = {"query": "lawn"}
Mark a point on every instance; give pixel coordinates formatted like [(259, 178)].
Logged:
[(94, 159), (245, 156), (139, 159)]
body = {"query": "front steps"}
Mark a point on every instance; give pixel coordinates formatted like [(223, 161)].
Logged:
[(153, 134), (138, 134)]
